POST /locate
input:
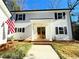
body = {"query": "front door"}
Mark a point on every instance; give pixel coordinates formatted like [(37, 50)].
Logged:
[(41, 32)]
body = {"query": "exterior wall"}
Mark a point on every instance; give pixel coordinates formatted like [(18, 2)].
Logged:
[(45, 19), (69, 26), (60, 23), (28, 31), (4, 15)]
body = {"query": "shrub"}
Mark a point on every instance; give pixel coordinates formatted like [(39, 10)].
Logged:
[(18, 51), (17, 54)]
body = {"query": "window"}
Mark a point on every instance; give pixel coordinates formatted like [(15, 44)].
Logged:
[(23, 29), (20, 17), (20, 30), (60, 15), (38, 30), (61, 30)]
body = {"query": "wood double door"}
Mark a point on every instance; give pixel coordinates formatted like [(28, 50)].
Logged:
[(41, 32)]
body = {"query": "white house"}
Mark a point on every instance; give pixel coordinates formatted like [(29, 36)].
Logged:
[(48, 24), (4, 15)]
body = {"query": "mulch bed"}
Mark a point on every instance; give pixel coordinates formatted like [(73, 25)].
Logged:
[(6, 46)]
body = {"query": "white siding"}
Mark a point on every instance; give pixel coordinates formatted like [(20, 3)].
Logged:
[(4, 15), (26, 34), (46, 19)]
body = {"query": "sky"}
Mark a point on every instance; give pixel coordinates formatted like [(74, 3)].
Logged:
[(42, 4), (47, 4)]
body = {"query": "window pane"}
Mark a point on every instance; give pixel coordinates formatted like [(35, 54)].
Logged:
[(20, 17), (56, 29), (18, 29), (43, 30), (59, 15), (39, 30), (65, 29), (61, 32), (60, 28)]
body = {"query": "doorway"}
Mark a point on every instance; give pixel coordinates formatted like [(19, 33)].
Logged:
[(41, 32)]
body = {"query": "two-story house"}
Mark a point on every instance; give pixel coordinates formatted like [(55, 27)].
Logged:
[(45, 24)]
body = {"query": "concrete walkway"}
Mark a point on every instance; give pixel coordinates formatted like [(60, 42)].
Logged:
[(42, 52)]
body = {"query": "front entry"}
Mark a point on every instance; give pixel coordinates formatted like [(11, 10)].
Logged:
[(41, 32)]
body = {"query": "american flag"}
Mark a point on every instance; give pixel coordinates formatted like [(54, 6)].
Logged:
[(11, 24)]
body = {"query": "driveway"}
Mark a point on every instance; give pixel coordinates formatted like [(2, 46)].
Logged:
[(42, 52)]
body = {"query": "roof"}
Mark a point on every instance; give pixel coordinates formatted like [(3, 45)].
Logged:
[(38, 10)]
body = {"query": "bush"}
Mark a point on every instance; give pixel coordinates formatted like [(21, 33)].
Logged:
[(18, 51), (17, 54)]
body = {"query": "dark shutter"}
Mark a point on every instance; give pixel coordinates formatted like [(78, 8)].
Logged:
[(19, 29), (15, 29), (65, 29), (64, 15), (23, 16), (16, 17), (56, 29), (55, 15), (23, 30)]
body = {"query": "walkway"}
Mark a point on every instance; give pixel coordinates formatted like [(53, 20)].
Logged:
[(42, 52)]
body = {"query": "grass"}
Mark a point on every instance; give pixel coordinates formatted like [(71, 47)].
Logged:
[(67, 50), (18, 51)]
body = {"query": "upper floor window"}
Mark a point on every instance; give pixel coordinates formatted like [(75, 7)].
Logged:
[(20, 17), (60, 15)]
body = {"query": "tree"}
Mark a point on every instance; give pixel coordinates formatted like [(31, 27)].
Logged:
[(15, 6), (12, 5)]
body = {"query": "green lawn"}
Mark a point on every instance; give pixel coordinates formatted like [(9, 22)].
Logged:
[(67, 50), (18, 51)]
